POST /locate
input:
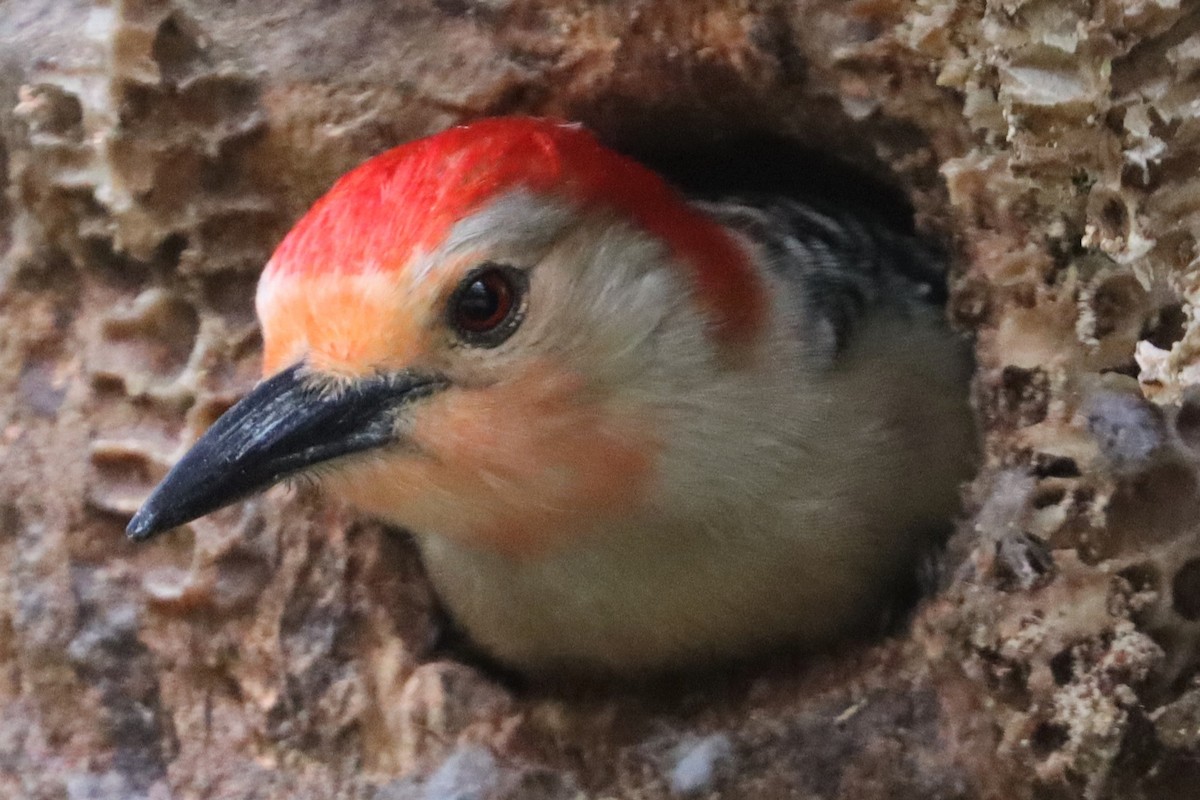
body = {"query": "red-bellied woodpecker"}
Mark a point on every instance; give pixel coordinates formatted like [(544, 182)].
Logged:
[(627, 431)]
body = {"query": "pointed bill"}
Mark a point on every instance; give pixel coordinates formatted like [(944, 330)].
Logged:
[(281, 428)]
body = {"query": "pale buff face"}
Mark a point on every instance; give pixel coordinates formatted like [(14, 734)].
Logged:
[(534, 438)]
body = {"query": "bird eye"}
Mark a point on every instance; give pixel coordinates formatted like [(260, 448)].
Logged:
[(488, 304)]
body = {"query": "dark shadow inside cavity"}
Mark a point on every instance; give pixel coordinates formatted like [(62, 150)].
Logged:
[(1165, 326), (1187, 419), (1185, 590), (770, 164)]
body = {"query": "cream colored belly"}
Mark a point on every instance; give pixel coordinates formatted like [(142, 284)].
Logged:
[(640, 603)]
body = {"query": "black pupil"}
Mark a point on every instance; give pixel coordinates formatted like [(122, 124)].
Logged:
[(483, 303)]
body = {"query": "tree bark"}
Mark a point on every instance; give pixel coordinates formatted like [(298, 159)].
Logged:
[(154, 152)]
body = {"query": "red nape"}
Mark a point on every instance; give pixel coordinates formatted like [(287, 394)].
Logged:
[(405, 201)]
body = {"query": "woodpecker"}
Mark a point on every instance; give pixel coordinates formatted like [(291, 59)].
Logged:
[(629, 431)]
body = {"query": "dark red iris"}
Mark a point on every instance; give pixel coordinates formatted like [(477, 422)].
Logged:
[(485, 308), (484, 302)]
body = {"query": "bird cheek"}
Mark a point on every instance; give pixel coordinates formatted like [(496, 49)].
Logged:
[(398, 488), (525, 466)]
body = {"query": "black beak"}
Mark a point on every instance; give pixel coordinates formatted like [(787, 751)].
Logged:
[(282, 427)]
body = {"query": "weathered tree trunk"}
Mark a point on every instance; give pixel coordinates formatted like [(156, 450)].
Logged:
[(154, 152)]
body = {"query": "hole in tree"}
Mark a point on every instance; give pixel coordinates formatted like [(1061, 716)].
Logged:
[(1185, 590), (1047, 738), (1047, 496), (760, 163), (1165, 326), (1187, 420), (1143, 577), (1046, 465), (1062, 666), (1114, 218), (1118, 302)]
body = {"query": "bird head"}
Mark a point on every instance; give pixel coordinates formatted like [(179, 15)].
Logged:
[(473, 334)]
